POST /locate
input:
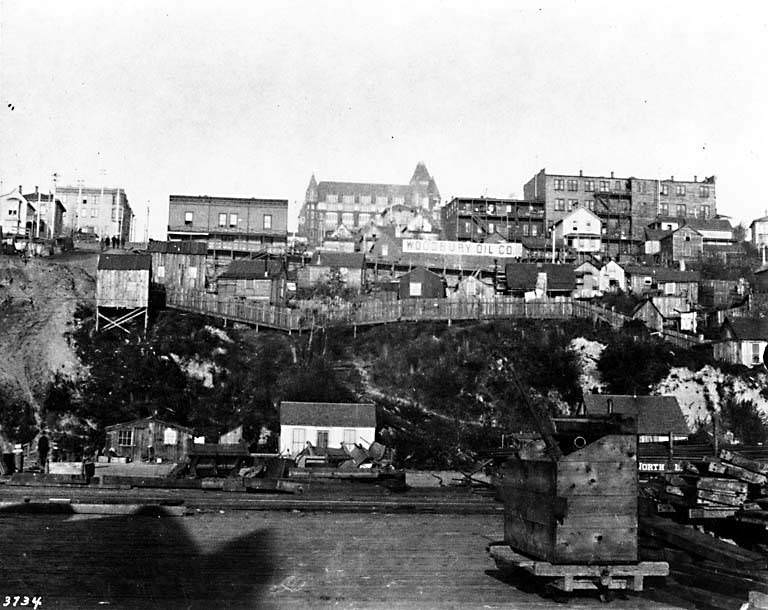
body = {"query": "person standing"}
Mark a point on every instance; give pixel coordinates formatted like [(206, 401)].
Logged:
[(43, 445)]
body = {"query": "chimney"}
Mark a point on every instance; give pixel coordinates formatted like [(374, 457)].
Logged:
[(611, 174), (609, 404), (695, 178), (21, 190), (581, 173), (35, 190), (672, 178)]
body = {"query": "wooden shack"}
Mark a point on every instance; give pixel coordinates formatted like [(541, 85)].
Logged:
[(254, 279), (148, 439), (122, 289), (421, 283), (579, 509), (179, 264)]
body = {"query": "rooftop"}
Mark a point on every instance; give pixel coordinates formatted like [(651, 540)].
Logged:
[(125, 262), (655, 415), (336, 414)]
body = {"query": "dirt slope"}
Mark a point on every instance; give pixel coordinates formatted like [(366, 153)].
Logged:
[(37, 305)]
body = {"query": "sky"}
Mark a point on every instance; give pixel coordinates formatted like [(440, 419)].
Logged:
[(250, 98)]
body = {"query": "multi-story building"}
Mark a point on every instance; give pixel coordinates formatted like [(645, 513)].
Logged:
[(31, 214), (477, 218), (758, 230), (49, 221), (229, 225), (626, 206), (579, 233), (100, 210), (328, 205)]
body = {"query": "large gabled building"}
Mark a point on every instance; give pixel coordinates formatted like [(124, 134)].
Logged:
[(330, 204)]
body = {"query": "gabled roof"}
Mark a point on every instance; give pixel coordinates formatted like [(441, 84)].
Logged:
[(645, 303), (125, 262), (146, 420), (420, 272), (328, 414), (522, 276), (763, 219), (746, 329), (662, 274), (420, 174), (252, 269), (177, 247), (351, 260), (655, 415), (656, 234), (709, 224), (686, 228)]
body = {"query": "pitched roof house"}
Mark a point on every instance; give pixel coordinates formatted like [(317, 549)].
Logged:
[(325, 424), (548, 278), (656, 416), (742, 341)]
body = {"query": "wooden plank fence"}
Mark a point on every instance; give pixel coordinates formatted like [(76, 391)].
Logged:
[(383, 312)]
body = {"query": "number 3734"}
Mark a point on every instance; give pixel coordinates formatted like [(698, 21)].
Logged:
[(12, 601)]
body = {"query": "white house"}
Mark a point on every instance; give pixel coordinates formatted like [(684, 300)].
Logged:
[(742, 341), (17, 214), (759, 232), (325, 424), (580, 231), (612, 278)]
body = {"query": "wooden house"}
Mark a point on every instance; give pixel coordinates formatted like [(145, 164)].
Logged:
[(612, 278), (653, 280), (257, 279), (587, 281), (580, 231), (742, 341), (148, 438), (656, 417), (685, 243), (122, 280), (647, 312), (544, 279), (761, 280), (325, 425), (421, 283), (652, 242), (349, 265), (473, 287), (179, 264)]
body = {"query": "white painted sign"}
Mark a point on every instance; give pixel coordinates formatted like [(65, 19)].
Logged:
[(429, 246)]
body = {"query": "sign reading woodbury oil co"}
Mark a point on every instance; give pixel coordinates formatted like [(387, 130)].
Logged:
[(502, 250)]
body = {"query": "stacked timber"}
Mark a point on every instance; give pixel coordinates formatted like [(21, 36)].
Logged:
[(716, 488)]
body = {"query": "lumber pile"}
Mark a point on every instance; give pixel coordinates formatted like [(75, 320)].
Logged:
[(704, 569), (728, 486)]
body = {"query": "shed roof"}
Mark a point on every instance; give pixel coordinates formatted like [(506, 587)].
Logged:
[(178, 247), (709, 224), (655, 415), (351, 260), (252, 269), (656, 234), (331, 414), (746, 329), (146, 420), (125, 262), (522, 276)]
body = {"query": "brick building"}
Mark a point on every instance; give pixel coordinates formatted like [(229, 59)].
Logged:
[(476, 219), (328, 205), (626, 206), (99, 210), (231, 226)]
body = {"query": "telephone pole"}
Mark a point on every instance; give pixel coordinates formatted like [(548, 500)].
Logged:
[(146, 225)]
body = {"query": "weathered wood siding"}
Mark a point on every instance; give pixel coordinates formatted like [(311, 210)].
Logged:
[(581, 509), (123, 288), (150, 434), (177, 270)]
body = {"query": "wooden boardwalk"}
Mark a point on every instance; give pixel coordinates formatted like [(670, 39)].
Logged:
[(381, 312)]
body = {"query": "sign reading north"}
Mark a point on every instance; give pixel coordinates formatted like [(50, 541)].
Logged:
[(421, 246)]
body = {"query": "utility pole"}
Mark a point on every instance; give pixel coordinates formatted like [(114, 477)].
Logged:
[(146, 225), (53, 206)]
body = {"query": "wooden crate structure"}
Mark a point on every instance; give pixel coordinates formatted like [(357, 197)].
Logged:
[(581, 509), (122, 289)]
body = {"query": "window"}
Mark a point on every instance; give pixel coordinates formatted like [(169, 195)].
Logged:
[(534, 230), (233, 221), (365, 199), (349, 437), (491, 227), (670, 288), (298, 438), (704, 191), (680, 210), (560, 205), (525, 230), (170, 436), (589, 186), (94, 213), (589, 204), (363, 219), (509, 208), (192, 272), (223, 219), (559, 184), (704, 212), (664, 209), (188, 216), (384, 249), (467, 228), (680, 190), (414, 289), (12, 212), (665, 189), (603, 186), (382, 201), (348, 199), (641, 187), (619, 185), (331, 219), (573, 203), (756, 353), (322, 439), (267, 222), (398, 200), (348, 219), (125, 437), (573, 185), (331, 198), (161, 272)]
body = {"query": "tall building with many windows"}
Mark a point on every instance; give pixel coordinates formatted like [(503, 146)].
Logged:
[(100, 210), (328, 205), (626, 206)]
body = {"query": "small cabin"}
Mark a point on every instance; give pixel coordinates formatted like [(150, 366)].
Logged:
[(148, 439), (254, 279), (325, 424), (350, 267), (473, 287), (657, 417), (421, 283), (122, 280), (178, 264), (742, 341)]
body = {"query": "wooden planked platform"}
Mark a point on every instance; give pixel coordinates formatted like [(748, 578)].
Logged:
[(571, 577)]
